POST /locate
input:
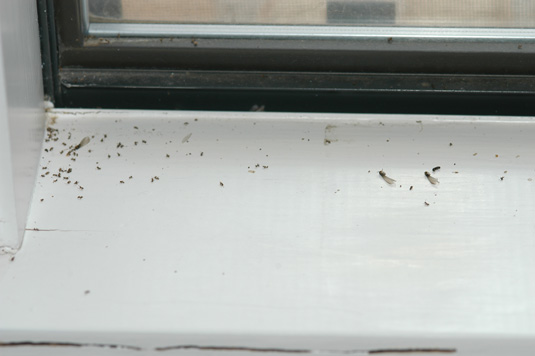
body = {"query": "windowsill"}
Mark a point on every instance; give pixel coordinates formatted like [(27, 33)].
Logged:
[(274, 230)]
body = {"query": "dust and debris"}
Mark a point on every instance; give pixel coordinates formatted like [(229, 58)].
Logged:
[(87, 292), (256, 107), (82, 143), (251, 171)]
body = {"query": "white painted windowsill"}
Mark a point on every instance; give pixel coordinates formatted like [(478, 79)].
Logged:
[(267, 231)]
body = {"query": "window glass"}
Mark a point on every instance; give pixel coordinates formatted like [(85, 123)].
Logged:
[(425, 13)]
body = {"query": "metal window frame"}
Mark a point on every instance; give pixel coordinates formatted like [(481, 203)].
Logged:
[(293, 71)]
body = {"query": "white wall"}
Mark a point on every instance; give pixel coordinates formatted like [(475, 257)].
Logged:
[(21, 115)]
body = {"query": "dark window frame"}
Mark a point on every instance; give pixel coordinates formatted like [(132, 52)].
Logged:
[(383, 75)]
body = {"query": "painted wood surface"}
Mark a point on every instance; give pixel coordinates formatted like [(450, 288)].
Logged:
[(250, 232)]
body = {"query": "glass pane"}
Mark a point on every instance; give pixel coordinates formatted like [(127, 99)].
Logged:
[(434, 13)]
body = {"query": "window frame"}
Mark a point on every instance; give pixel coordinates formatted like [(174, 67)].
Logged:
[(361, 73)]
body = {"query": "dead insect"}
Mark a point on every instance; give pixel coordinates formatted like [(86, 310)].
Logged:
[(436, 168), (82, 143), (411, 187), (99, 168), (167, 155), (265, 167), (12, 258), (501, 178), (156, 177), (80, 197), (143, 141), (121, 181), (130, 177), (221, 184), (202, 153), (426, 203), (136, 127), (118, 154), (432, 179), (81, 188), (387, 179), (152, 180), (42, 199)]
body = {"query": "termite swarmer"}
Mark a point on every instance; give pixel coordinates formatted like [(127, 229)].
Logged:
[(387, 179), (432, 179), (82, 143)]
